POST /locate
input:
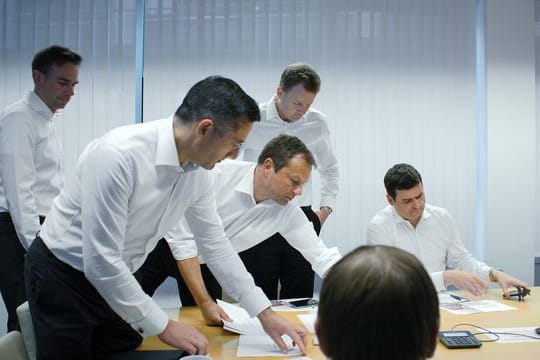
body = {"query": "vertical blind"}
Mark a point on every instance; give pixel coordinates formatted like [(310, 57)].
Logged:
[(103, 32), (537, 101), (398, 85), (398, 79)]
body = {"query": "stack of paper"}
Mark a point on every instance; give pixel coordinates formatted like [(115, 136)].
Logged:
[(253, 339), (242, 323)]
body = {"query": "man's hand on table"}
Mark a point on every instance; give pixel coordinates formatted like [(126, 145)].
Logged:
[(275, 325)]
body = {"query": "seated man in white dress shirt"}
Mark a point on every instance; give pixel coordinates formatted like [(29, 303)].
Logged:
[(378, 302), (254, 201), (429, 232)]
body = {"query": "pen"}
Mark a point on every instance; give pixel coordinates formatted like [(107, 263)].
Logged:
[(459, 298)]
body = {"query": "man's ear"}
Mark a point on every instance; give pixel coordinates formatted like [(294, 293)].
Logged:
[(390, 200), (432, 344), (204, 127), (268, 166), (37, 76)]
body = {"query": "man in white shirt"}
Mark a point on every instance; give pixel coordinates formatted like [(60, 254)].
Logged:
[(289, 112), (130, 187), (429, 232), (378, 302), (254, 201), (31, 165)]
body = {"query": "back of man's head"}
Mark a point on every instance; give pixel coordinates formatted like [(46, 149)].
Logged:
[(282, 149), (54, 55), (378, 302), (401, 177), (220, 99), (300, 73)]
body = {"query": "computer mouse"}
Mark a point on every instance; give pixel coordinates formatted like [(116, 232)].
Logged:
[(537, 330)]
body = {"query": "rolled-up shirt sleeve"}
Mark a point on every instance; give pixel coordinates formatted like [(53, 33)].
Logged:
[(327, 166), (181, 241), (221, 257), (104, 208)]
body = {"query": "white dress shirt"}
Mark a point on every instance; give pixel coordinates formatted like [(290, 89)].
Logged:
[(247, 223), (129, 190), (312, 129), (435, 241), (30, 164)]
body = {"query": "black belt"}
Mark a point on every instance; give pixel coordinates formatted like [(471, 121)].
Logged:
[(4, 216)]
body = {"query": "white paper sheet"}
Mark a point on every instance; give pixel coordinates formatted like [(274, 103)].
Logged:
[(506, 338), (446, 298), (472, 307), (309, 321), (263, 345), (242, 323)]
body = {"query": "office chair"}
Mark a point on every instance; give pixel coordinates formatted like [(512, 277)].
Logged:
[(27, 329), (12, 346)]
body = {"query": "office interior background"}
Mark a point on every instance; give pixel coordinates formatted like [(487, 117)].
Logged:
[(450, 87)]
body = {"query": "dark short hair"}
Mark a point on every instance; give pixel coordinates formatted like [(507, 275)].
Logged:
[(299, 73), (54, 55), (377, 302), (282, 149), (221, 100), (401, 177)]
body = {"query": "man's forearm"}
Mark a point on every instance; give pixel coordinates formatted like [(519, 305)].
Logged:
[(190, 269)]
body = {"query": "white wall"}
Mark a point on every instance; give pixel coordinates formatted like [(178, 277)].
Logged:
[(511, 212)]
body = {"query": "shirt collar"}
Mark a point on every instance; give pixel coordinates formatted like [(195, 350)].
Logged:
[(39, 105), (426, 214), (166, 153), (245, 185)]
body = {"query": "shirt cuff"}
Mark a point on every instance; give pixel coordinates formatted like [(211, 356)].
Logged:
[(327, 200), (484, 273), (255, 302), (437, 278), (183, 249), (153, 324), (331, 256)]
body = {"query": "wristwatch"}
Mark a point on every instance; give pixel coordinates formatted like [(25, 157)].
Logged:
[(328, 209)]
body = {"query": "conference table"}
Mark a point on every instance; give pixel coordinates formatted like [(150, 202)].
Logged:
[(223, 344)]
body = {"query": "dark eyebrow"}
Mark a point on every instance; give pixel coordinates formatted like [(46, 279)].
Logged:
[(67, 80)]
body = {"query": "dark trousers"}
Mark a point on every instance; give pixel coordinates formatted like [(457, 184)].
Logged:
[(71, 320), (161, 264), (11, 269), (275, 261)]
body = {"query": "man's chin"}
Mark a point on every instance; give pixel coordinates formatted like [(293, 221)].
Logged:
[(208, 166)]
